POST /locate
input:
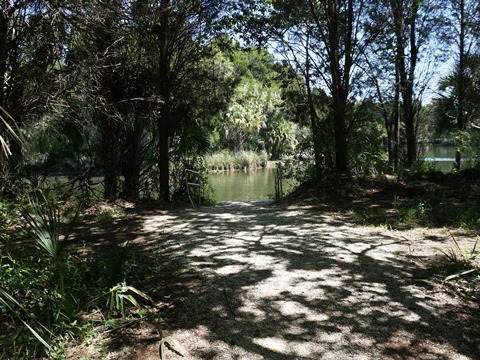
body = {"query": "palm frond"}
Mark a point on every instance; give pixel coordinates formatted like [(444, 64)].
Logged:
[(9, 302), (5, 120), (43, 225)]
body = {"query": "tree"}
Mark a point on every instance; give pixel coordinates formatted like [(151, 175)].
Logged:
[(28, 53), (463, 31), (409, 37), (447, 106), (416, 25), (175, 33), (250, 108), (325, 39), (93, 81)]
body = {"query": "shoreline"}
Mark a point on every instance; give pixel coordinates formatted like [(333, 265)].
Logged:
[(271, 164)]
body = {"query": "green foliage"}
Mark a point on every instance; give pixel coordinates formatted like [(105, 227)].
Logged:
[(423, 166), (416, 214), (44, 290), (19, 339), (39, 287), (40, 303), (258, 112), (251, 106), (459, 257), (395, 202), (82, 189), (122, 293), (280, 137), (468, 217), (369, 155), (8, 216)]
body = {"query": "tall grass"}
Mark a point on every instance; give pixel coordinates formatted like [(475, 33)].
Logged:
[(229, 161)]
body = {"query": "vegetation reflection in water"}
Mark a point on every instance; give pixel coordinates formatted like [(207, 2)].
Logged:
[(442, 157), (244, 185)]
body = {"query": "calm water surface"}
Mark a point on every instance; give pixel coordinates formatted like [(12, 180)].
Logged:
[(442, 156), (244, 185)]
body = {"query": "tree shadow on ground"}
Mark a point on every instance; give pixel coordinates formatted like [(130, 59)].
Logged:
[(278, 283), (281, 283)]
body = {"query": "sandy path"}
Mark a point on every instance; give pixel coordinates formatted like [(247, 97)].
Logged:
[(270, 283)]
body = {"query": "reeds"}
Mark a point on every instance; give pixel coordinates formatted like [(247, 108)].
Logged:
[(229, 161)]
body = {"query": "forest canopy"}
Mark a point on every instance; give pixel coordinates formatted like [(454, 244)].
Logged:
[(137, 91)]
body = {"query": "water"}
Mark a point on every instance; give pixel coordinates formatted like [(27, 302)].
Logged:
[(443, 157), (260, 184), (244, 185)]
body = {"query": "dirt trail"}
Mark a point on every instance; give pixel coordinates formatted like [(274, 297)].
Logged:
[(290, 283)]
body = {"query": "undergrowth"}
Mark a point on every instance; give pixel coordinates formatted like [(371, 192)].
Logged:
[(430, 209), (460, 268), (49, 296)]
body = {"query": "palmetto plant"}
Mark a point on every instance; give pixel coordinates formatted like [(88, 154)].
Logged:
[(8, 129), (41, 322), (464, 262), (43, 219), (121, 294)]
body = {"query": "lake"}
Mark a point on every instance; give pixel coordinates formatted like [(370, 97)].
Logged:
[(442, 156), (244, 185), (260, 184)]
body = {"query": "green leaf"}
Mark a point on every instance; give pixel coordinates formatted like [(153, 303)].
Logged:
[(457, 275), (179, 348), (12, 300), (162, 349)]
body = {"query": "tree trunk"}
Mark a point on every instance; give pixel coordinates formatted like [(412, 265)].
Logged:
[(388, 119), (317, 148), (405, 82), (109, 156), (3, 53), (410, 128), (111, 92), (164, 119), (132, 162), (461, 89), (410, 132), (163, 162), (397, 111), (341, 156), (15, 160), (340, 79)]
